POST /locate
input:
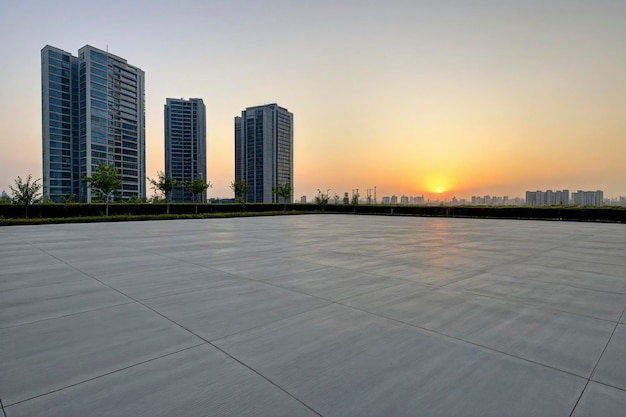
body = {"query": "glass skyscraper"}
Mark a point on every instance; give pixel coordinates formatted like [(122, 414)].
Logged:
[(185, 145), (93, 112), (264, 151)]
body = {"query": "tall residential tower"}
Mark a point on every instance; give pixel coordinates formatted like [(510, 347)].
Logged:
[(185, 144), (264, 151), (93, 112)]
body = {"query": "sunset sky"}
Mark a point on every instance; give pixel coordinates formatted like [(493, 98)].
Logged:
[(471, 97)]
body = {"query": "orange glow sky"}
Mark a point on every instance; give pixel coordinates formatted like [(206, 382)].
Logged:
[(497, 97)]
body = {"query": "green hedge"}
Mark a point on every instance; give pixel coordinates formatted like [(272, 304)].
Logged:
[(64, 211)]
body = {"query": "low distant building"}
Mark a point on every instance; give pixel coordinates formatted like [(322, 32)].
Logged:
[(303, 199), (417, 200), (386, 200)]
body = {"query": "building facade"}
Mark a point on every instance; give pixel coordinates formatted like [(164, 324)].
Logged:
[(93, 112), (588, 198), (264, 151), (185, 145), (547, 198)]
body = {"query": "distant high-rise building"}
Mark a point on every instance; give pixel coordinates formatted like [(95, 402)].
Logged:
[(185, 145), (588, 198), (93, 112), (547, 198), (264, 151)]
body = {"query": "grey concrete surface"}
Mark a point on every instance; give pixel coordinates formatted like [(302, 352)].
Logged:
[(333, 315)]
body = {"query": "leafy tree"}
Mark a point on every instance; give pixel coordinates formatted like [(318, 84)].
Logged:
[(336, 198), (106, 180), (197, 187), (321, 198), (284, 191), (355, 197), (165, 185), (240, 188), (26, 192)]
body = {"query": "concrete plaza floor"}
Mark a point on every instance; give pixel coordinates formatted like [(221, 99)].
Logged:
[(332, 315)]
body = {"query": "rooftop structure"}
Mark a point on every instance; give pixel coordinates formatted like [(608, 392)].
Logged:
[(302, 316)]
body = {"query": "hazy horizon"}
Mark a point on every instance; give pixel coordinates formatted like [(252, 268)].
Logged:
[(410, 97)]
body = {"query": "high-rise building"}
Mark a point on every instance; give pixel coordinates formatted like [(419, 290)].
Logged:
[(588, 198), (264, 151), (93, 112), (547, 198), (185, 145)]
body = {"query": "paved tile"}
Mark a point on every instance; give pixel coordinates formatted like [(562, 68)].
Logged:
[(160, 280), (564, 341), (26, 305), (345, 315), (200, 381), (263, 269), (42, 357), (612, 367), (34, 275), (599, 304), (332, 283), (343, 362), (600, 400), (582, 279), (227, 309)]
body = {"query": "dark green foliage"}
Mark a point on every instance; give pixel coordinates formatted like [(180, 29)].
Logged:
[(197, 187), (59, 213), (284, 191), (321, 199), (105, 181), (25, 193), (240, 188), (165, 185)]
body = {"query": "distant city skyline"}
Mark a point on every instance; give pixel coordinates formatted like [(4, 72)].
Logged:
[(410, 97)]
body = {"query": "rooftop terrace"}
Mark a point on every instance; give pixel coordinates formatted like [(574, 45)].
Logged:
[(332, 315)]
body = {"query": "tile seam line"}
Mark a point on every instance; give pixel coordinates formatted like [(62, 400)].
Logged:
[(203, 339), (593, 371), (239, 361), (106, 374), (4, 414)]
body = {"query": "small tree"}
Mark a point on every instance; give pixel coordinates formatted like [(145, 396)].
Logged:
[(133, 199), (197, 187), (105, 180), (165, 185), (240, 188), (321, 198), (26, 192), (68, 198), (355, 197), (284, 191)]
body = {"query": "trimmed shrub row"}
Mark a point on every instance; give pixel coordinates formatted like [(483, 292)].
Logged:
[(59, 211)]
